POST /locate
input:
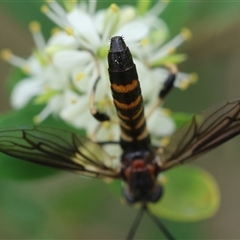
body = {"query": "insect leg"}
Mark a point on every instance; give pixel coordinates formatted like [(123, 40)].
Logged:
[(160, 225), (107, 143), (101, 117), (135, 224), (167, 87)]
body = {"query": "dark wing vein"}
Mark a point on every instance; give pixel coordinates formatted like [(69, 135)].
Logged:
[(204, 132), (57, 148)]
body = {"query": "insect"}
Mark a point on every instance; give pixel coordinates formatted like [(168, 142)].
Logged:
[(141, 162)]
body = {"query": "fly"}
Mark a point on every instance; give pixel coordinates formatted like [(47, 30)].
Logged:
[(141, 162)]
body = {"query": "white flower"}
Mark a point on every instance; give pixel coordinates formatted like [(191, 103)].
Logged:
[(61, 72)]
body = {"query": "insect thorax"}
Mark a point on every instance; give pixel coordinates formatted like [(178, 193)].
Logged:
[(140, 173)]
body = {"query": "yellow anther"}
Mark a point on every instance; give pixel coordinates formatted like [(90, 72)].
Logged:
[(34, 26), (144, 41), (114, 7), (164, 141), (46, 88), (80, 77), (184, 84), (166, 111), (69, 31), (110, 137), (106, 125), (186, 33), (108, 180), (44, 9), (73, 101), (193, 78), (171, 50), (55, 30), (36, 119), (163, 179), (26, 69), (6, 54)]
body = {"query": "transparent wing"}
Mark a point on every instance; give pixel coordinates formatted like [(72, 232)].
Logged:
[(57, 148), (204, 132)]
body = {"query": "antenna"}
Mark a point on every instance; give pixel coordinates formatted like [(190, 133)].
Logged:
[(160, 225), (136, 222), (156, 220)]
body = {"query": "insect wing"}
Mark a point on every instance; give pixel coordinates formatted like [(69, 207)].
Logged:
[(57, 148), (204, 132)]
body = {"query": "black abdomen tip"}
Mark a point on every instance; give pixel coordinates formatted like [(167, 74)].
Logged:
[(119, 56), (117, 44)]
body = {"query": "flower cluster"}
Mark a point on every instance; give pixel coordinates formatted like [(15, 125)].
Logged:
[(61, 72)]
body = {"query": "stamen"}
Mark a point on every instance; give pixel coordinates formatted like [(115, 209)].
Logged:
[(8, 56), (171, 50), (193, 78), (34, 26), (56, 7), (55, 30), (26, 69), (92, 7), (144, 42), (172, 44), (164, 141), (110, 137), (35, 29), (42, 115), (80, 77), (162, 179), (114, 7), (73, 101), (45, 9), (184, 84), (110, 21), (106, 125), (82, 41), (166, 111), (186, 33), (69, 5), (158, 8), (69, 31)]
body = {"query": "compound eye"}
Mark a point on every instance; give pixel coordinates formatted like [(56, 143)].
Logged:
[(128, 196), (157, 194)]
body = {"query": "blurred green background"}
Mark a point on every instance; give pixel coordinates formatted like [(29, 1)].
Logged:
[(66, 206)]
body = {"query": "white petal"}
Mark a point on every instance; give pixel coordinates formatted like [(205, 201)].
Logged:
[(75, 110), (99, 20), (68, 59), (84, 25), (133, 32), (109, 132), (128, 14), (160, 125), (149, 85), (62, 39), (34, 65), (24, 91)]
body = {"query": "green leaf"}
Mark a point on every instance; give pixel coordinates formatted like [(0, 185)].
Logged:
[(190, 194), (20, 207), (180, 118)]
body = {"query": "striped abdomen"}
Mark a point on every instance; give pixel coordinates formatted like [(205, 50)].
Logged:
[(127, 96)]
